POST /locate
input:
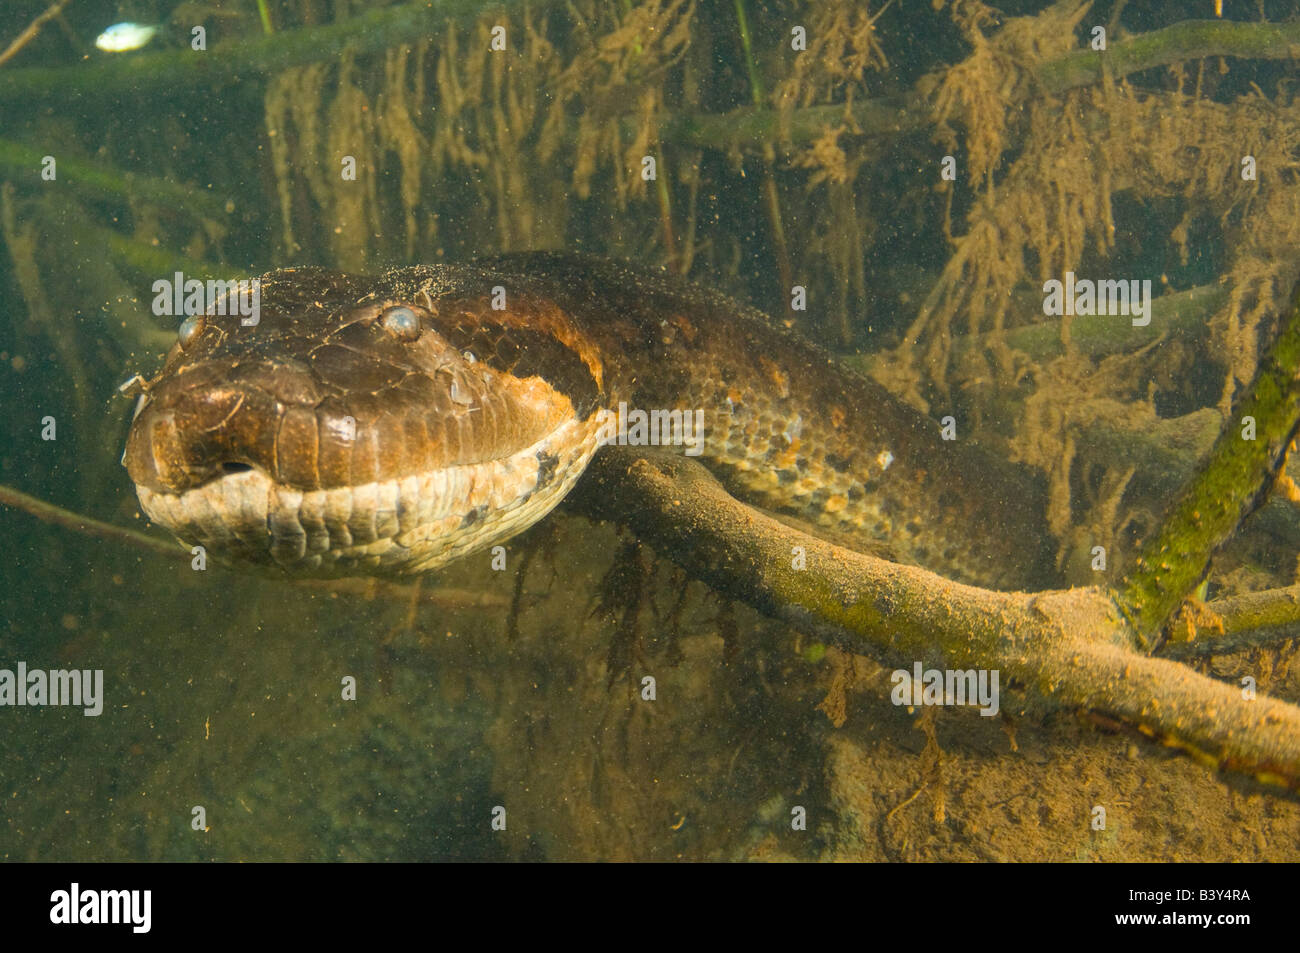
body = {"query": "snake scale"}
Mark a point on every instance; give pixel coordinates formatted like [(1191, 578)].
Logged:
[(393, 423)]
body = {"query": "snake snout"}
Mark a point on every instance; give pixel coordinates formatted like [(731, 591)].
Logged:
[(184, 438)]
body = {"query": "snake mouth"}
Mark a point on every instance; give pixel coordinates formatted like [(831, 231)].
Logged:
[(233, 474), (396, 526)]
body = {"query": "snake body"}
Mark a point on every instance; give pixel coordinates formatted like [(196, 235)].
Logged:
[(393, 423)]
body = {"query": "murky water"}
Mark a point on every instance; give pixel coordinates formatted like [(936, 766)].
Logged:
[(912, 181)]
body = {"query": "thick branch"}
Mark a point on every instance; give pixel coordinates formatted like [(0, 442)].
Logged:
[(1070, 648), (1241, 469)]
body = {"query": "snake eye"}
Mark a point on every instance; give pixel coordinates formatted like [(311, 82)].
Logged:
[(190, 330), (401, 322)]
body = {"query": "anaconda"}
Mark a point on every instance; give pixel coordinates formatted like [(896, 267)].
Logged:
[(393, 423)]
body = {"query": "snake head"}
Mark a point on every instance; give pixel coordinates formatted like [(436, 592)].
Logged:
[(352, 428)]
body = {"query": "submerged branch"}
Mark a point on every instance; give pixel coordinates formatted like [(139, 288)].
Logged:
[(1189, 40), (445, 597), (1242, 467), (33, 28), (1070, 648), (1186, 313), (747, 128), (1252, 612), (97, 180), (236, 59), (1262, 619), (152, 260), (57, 516)]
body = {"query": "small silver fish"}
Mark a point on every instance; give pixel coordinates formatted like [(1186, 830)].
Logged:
[(124, 37)]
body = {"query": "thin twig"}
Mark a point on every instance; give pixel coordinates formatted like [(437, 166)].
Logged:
[(445, 597), (33, 28), (56, 515), (771, 197)]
